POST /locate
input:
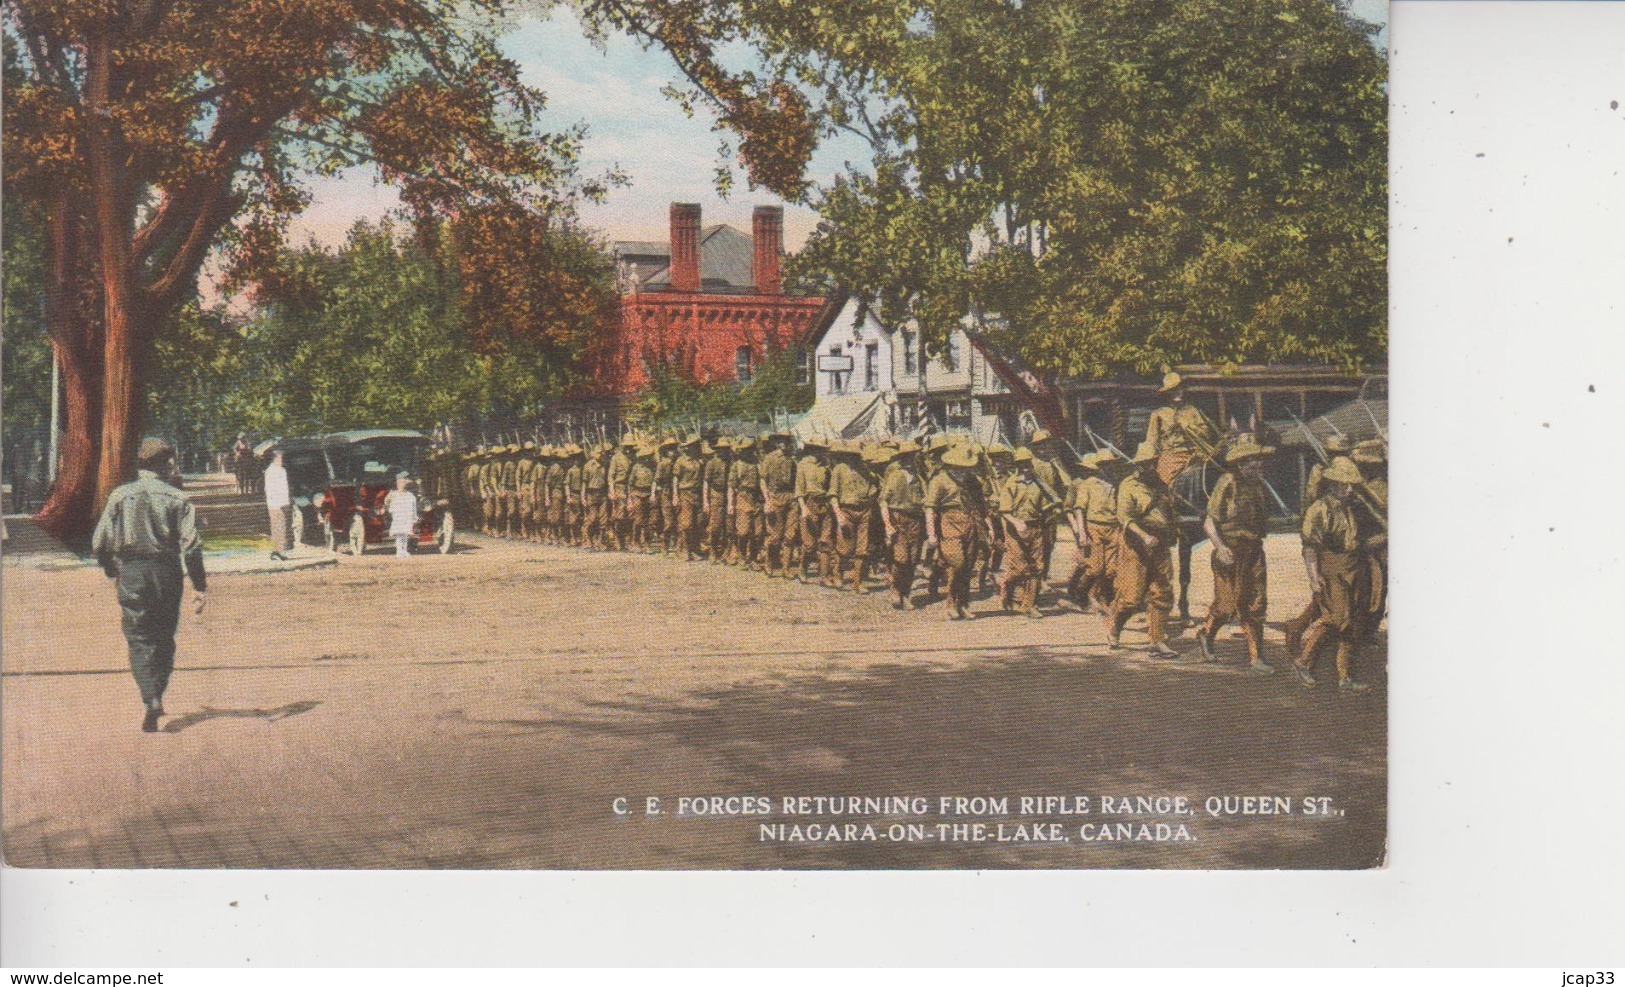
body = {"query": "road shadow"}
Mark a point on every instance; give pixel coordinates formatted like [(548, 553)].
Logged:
[(1027, 722), (208, 713)]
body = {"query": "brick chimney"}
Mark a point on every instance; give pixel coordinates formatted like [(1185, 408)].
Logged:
[(685, 246), (767, 235)]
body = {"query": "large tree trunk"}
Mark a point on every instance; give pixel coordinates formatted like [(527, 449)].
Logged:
[(128, 337), (69, 510)]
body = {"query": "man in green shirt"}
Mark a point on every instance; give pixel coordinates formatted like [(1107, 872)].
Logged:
[(1236, 522), (902, 511), (1145, 567), (146, 536)]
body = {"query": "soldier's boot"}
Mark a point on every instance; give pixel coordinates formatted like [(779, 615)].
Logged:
[(1345, 668), (1311, 645), (1007, 593), (860, 571), (1255, 648), (1295, 629), (1156, 619)]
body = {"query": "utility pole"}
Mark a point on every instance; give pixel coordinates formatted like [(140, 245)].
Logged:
[(56, 394)]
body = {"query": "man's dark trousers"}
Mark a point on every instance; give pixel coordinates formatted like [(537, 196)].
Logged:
[(149, 594)]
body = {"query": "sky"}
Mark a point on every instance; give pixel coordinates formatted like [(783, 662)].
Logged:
[(668, 156)]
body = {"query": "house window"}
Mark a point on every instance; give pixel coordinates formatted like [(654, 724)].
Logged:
[(742, 364), (871, 367), (950, 356), (909, 366), (837, 379)]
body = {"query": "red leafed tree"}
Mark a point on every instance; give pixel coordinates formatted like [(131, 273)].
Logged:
[(153, 132)]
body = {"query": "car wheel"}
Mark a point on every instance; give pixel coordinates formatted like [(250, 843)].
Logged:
[(448, 533)]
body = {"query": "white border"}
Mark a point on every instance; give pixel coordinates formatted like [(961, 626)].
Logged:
[(1506, 658)]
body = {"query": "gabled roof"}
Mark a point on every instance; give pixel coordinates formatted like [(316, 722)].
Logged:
[(727, 258)]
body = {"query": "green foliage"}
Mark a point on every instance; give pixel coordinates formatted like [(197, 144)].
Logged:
[(1128, 183), (673, 401), (25, 350)]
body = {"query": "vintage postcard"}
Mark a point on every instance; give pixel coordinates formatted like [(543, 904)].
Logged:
[(629, 434)]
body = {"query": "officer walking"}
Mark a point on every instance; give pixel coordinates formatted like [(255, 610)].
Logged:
[(146, 537)]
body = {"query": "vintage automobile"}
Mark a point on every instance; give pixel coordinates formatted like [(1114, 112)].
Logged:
[(331, 477)]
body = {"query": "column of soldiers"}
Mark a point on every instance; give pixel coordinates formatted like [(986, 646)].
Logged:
[(956, 515)]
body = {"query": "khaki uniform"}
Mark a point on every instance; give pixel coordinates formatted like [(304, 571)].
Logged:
[(817, 521), (574, 512), (745, 480), (524, 496), (1145, 576), (717, 542), (903, 497), (641, 505), (619, 513), (1372, 515), (595, 504), (779, 510), (664, 522), (1179, 435), (1092, 577), (1021, 500), (1239, 513), (961, 515), (688, 474), (853, 491), (1332, 532)]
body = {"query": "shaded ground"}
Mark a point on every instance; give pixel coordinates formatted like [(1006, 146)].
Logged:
[(484, 709)]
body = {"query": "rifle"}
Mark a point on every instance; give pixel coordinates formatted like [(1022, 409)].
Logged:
[(1377, 513)]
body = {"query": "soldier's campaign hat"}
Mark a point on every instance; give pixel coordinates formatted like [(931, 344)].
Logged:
[(1342, 470), (881, 455), (513, 447), (572, 449), (692, 440), (628, 441), (1339, 445), (906, 447), (889, 442), (1040, 437), (1147, 453), (937, 443), (669, 442), (1171, 382), (1089, 461), (963, 457), (815, 443), (154, 450), (1370, 452), (1000, 451), (1247, 448), (530, 445), (723, 443), (745, 444), (1024, 455)]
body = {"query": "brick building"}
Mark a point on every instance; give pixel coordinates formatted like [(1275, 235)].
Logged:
[(709, 304)]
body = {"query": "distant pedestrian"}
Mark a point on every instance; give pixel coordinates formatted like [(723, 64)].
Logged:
[(401, 504), (279, 505), (146, 537)]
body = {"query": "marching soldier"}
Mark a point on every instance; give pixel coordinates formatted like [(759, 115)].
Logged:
[(902, 510), (816, 523), (1145, 569), (1337, 447), (1331, 554), (1092, 506), (146, 537), (779, 505), (999, 466), (574, 507), (509, 484), (524, 482), (715, 488), (665, 523), (930, 465), (955, 522), (595, 521), (1371, 503), (745, 505), (1177, 429), (641, 506), (1054, 479), (852, 498), (1236, 523), (1024, 507), (620, 472), (688, 477)]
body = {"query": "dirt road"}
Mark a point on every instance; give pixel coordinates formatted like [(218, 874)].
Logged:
[(488, 708)]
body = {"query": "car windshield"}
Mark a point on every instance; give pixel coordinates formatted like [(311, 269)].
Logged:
[(375, 462)]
